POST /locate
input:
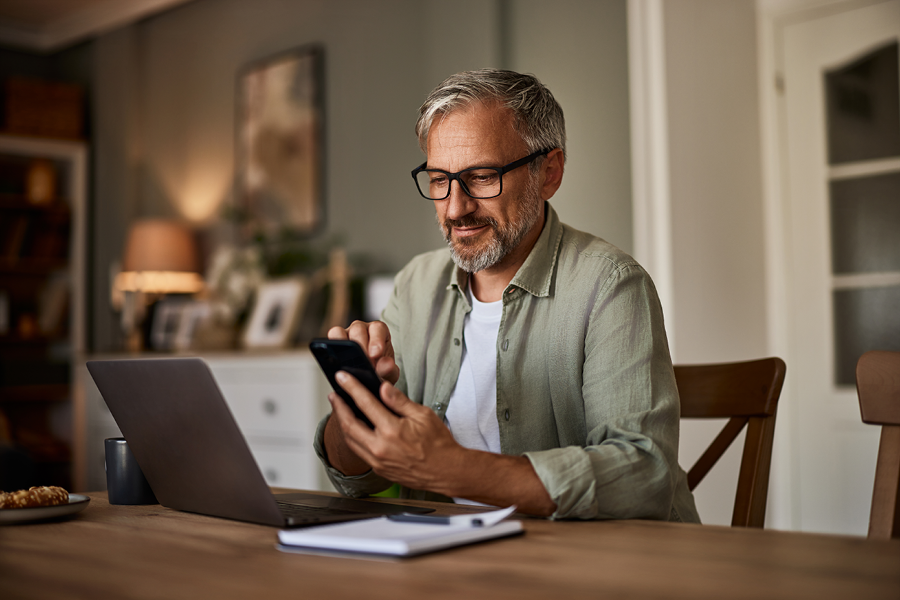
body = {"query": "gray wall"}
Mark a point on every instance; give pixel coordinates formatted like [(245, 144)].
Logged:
[(579, 49), (165, 107)]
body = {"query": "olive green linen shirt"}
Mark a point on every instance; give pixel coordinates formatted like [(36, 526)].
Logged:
[(585, 386)]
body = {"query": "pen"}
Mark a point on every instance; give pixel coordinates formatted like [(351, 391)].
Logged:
[(430, 520)]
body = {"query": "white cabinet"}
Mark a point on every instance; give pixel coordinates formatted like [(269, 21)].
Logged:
[(277, 400)]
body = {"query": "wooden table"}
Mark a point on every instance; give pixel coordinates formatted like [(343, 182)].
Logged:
[(109, 551)]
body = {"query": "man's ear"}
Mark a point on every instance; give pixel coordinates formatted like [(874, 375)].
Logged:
[(552, 173)]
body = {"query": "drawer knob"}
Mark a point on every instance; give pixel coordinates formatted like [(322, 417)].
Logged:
[(270, 407)]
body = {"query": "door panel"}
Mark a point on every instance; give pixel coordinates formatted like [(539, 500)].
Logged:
[(833, 452)]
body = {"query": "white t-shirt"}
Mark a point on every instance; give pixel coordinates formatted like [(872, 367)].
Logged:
[(472, 411)]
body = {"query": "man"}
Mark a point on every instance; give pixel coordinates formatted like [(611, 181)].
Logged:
[(529, 367)]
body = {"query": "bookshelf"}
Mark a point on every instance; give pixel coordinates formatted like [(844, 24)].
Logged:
[(43, 185)]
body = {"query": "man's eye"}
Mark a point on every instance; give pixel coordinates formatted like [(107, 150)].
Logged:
[(483, 177), (438, 180)]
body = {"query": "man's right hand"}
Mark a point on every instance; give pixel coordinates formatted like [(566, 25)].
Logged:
[(375, 340)]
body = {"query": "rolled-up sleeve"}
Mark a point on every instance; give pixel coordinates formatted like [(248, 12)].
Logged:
[(354, 486)]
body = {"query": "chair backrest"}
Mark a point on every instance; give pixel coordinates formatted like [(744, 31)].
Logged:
[(878, 386), (746, 393)]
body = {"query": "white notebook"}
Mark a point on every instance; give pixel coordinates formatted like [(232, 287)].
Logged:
[(400, 535)]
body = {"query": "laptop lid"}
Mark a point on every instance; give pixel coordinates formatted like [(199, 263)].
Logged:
[(189, 446)]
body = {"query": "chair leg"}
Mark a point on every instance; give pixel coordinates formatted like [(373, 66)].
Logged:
[(753, 481), (884, 521)]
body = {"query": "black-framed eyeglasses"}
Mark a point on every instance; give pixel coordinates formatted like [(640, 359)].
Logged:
[(480, 183)]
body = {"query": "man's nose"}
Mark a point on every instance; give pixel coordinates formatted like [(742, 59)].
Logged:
[(459, 202)]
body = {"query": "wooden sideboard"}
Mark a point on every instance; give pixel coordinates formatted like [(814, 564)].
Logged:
[(277, 399)]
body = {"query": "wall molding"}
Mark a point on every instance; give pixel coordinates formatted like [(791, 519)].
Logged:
[(652, 206)]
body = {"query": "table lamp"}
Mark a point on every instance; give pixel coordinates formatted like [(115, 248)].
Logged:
[(160, 258)]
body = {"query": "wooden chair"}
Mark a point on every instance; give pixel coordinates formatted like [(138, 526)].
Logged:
[(747, 394), (878, 386)]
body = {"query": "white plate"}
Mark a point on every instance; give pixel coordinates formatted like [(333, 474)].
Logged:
[(77, 503)]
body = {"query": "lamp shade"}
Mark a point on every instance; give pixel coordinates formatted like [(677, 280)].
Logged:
[(160, 256), (160, 245)]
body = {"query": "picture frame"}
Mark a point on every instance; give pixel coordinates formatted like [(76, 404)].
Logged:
[(165, 323), (193, 314), (276, 312), (280, 142)]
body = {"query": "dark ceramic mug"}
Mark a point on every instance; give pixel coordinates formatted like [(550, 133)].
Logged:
[(125, 481)]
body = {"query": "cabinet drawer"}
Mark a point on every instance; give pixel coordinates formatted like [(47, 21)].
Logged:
[(271, 409), (300, 371)]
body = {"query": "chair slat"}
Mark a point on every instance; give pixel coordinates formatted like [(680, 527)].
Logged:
[(715, 451)]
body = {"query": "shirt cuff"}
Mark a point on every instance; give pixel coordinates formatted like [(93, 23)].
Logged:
[(354, 486), (568, 477)]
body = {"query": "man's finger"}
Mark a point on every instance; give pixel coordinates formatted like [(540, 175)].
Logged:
[(387, 369), (397, 400), (337, 333), (359, 333), (365, 401), (379, 341)]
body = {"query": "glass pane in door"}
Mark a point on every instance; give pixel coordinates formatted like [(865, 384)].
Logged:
[(864, 319), (862, 100), (865, 224)]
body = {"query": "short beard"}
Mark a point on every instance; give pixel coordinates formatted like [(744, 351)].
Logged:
[(505, 238)]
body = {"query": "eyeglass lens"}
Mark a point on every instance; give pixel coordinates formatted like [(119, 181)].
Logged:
[(477, 183)]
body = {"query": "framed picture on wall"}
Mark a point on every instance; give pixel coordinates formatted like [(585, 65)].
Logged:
[(280, 141)]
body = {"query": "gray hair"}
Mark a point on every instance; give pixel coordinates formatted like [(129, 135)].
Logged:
[(538, 117)]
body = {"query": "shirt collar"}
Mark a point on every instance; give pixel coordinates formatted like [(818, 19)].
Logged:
[(536, 273)]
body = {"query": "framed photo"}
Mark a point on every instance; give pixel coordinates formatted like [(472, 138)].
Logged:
[(280, 141), (193, 313), (165, 323), (276, 312)]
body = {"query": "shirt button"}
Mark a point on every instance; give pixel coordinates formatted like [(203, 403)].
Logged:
[(456, 341), (437, 406), (505, 344), (506, 414)]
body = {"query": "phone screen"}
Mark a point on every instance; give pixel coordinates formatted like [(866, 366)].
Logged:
[(347, 355)]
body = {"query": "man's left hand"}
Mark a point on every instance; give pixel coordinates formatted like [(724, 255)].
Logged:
[(415, 449)]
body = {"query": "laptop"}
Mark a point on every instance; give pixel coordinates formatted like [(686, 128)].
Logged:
[(184, 437)]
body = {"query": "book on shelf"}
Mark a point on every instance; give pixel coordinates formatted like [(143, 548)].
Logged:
[(15, 235)]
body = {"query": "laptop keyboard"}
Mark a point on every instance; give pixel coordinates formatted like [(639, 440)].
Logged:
[(302, 513)]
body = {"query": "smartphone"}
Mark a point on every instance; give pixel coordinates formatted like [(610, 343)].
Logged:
[(347, 355)]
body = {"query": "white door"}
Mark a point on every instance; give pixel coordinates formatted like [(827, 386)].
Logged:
[(842, 291)]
